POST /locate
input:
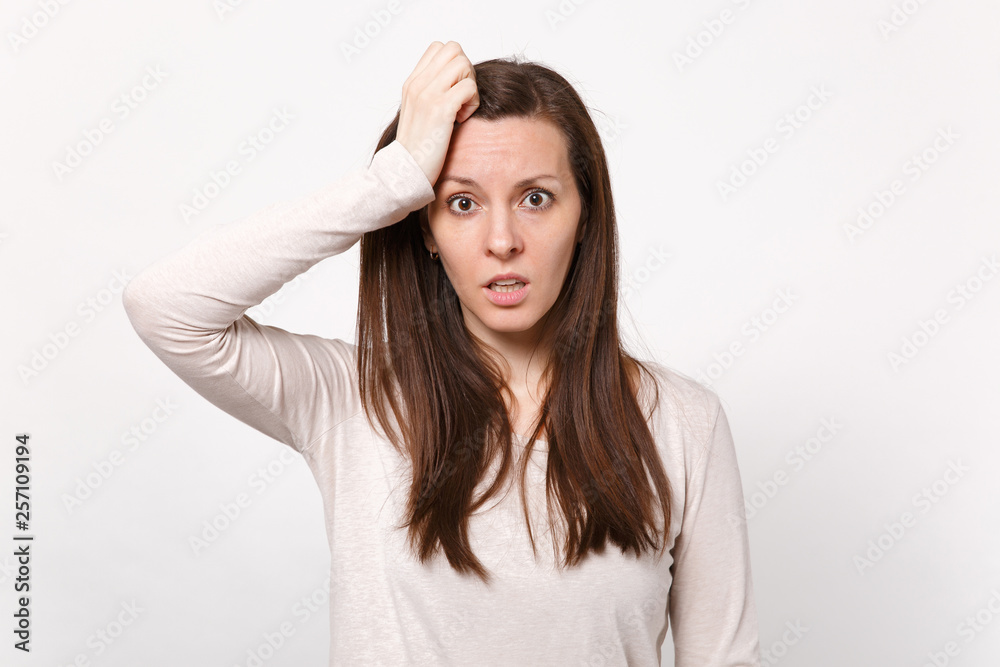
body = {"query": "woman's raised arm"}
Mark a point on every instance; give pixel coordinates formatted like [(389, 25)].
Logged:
[(189, 307)]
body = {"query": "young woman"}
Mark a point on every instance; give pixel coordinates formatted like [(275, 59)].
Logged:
[(502, 483)]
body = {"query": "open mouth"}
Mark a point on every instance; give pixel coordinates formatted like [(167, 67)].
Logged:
[(503, 286)]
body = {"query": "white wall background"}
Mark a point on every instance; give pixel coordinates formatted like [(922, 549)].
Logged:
[(845, 453)]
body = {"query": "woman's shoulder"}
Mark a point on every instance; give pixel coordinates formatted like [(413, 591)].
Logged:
[(681, 400)]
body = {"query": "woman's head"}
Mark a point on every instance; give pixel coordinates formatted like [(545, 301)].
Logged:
[(530, 122)]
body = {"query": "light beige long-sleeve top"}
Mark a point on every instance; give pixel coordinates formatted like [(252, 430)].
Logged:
[(386, 608)]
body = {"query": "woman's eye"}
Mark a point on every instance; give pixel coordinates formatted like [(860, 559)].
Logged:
[(465, 205), (536, 199)]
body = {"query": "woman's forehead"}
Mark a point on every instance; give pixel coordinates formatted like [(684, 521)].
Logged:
[(525, 146)]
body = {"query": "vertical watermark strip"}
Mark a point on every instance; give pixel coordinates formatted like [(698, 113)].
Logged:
[(22, 542)]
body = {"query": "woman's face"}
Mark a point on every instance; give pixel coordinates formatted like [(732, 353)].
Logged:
[(506, 202)]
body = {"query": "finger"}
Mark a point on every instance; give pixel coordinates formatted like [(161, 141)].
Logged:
[(424, 61), (440, 61), (452, 72), (462, 76), (470, 106), (466, 91)]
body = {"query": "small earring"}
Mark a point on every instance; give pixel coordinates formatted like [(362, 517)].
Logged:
[(434, 255)]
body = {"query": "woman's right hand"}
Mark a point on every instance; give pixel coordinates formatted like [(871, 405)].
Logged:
[(439, 92)]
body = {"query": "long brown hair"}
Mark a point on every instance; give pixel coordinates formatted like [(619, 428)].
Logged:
[(446, 392)]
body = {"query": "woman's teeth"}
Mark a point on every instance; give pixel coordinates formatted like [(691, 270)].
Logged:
[(512, 287)]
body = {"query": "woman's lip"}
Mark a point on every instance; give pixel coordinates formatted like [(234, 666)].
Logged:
[(506, 298)]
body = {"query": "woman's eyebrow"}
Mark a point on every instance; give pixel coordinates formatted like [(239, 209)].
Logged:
[(472, 183)]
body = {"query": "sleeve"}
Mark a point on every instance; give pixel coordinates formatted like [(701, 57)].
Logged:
[(711, 604), (189, 307)]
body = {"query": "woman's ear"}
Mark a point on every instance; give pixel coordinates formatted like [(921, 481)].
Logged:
[(425, 229)]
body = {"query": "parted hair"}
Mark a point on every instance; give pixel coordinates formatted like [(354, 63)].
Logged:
[(445, 390)]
